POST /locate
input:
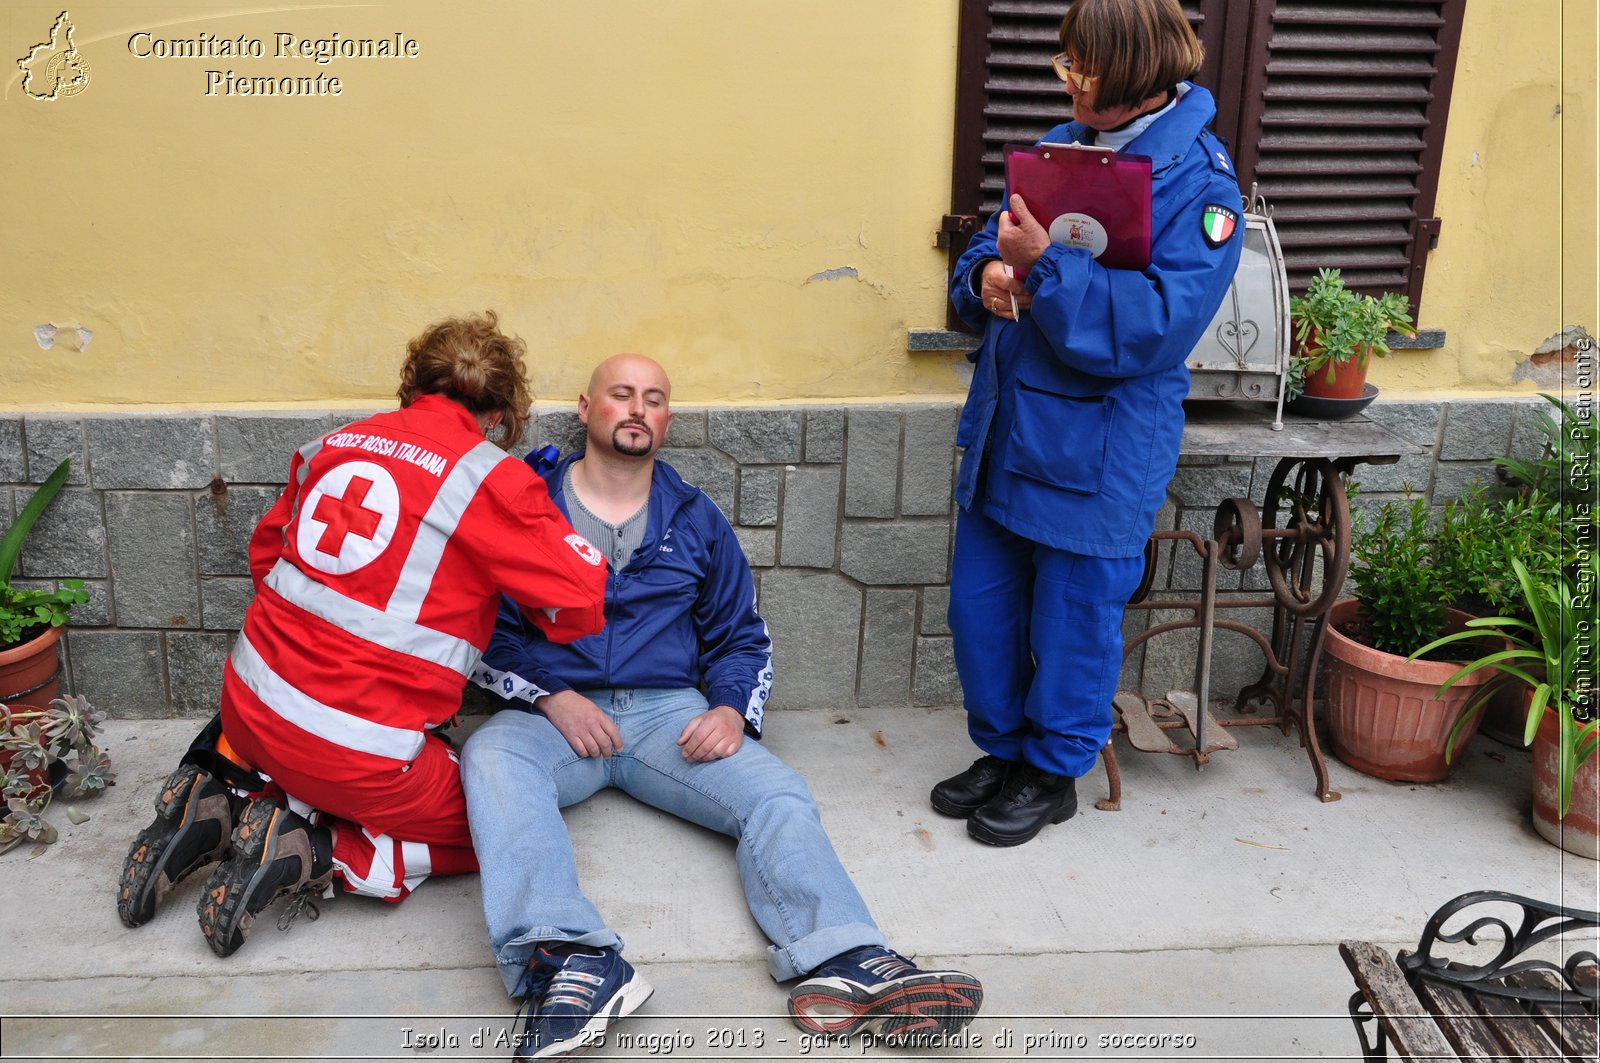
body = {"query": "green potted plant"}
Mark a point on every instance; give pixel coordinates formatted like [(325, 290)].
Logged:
[(1382, 715), (1564, 473), (1555, 491), (1336, 333), (1552, 656), (31, 619), (36, 742)]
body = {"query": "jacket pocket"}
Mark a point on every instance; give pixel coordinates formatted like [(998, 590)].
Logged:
[(1061, 439)]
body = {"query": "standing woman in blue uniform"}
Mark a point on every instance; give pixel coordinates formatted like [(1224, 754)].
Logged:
[(1074, 418)]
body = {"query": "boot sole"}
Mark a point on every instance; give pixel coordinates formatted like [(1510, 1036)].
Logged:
[(225, 920), (988, 837), (147, 878), (907, 1011)]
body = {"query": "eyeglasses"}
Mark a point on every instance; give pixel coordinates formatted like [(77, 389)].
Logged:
[(1062, 64)]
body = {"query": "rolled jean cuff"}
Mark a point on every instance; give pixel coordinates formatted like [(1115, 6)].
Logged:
[(513, 957), (812, 951)]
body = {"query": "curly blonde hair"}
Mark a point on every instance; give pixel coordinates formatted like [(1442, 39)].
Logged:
[(469, 360)]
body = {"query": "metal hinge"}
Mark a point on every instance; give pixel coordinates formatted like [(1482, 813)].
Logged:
[(1424, 238), (955, 225)]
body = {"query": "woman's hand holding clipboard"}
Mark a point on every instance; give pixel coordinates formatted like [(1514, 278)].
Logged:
[(1081, 196)]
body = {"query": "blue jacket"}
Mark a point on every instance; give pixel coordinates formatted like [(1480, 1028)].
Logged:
[(682, 614), (1074, 416)]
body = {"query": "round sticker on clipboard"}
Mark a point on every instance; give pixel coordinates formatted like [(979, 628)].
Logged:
[(1079, 230)]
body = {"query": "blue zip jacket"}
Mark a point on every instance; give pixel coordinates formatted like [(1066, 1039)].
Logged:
[(1074, 416), (681, 614)]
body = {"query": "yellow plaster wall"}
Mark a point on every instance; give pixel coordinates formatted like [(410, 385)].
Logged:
[(1516, 262), (747, 191)]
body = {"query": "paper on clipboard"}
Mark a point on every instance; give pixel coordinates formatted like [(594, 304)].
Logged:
[(1087, 197)]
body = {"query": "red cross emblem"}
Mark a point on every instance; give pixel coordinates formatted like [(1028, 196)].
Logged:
[(346, 516)]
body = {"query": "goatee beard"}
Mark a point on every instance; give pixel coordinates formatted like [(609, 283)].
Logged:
[(632, 450)]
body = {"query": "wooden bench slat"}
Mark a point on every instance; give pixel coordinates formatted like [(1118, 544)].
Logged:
[(1577, 1031), (1463, 1027), (1517, 1028), (1412, 1032)]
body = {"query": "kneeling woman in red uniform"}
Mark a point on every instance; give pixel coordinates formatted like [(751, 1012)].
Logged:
[(377, 576)]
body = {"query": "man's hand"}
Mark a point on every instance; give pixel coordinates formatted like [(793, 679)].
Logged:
[(1000, 288), (1022, 241), (585, 726), (716, 733)]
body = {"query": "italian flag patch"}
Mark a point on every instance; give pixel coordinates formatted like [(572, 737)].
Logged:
[(1218, 223)]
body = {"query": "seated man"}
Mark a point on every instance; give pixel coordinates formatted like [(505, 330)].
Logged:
[(624, 708), (377, 575)]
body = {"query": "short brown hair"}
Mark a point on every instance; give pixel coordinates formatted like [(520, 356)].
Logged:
[(1137, 48), (469, 360)]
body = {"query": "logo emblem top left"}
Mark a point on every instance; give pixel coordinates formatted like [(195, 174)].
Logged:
[(55, 69), (348, 518)]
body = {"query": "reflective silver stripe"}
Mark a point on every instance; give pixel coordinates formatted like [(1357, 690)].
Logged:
[(438, 524), (324, 721), (508, 685), (418, 861), (378, 878), (372, 625), (306, 453)]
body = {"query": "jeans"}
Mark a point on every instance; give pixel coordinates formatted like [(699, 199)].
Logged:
[(519, 772), (1038, 644)]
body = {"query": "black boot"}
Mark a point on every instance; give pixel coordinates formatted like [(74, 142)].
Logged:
[(962, 795), (1030, 799)]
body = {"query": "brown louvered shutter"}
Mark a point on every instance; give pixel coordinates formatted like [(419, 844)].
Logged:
[(1342, 126), (1335, 109), (1006, 93)]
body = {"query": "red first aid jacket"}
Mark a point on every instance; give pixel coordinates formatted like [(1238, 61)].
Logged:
[(378, 574)]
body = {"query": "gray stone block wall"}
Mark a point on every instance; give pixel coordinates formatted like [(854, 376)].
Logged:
[(844, 511)]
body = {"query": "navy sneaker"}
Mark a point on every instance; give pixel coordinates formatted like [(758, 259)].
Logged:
[(571, 996), (275, 851), (872, 990), (192, 828)]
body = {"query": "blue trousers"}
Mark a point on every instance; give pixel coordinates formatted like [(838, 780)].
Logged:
[(519, 773), (1038, 644)]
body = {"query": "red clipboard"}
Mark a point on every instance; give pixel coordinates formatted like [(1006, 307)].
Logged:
[(1087, 197)]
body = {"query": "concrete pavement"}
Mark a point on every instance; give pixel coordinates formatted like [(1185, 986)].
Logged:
[(1200, 921)]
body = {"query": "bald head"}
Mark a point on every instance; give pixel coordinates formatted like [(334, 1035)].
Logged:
[(626, 407), (629, 367)]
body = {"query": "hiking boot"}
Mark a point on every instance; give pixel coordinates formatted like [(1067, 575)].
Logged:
[(192, 828), (873, 990), (962, 795), (1030, 798), (274, 851), (571, 995)]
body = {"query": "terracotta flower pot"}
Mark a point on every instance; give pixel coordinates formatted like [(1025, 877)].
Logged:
[(29, 673), (30, 679), (1579, 832), (1382, 713), (1348, 378)]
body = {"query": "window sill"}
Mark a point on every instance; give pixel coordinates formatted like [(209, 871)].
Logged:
[(941, 339), (1428, 339)]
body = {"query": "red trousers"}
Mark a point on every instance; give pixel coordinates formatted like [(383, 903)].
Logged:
[(393, 829)]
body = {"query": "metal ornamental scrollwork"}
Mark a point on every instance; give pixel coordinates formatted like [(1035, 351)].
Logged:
[(1238, 336), (1538, 922)]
